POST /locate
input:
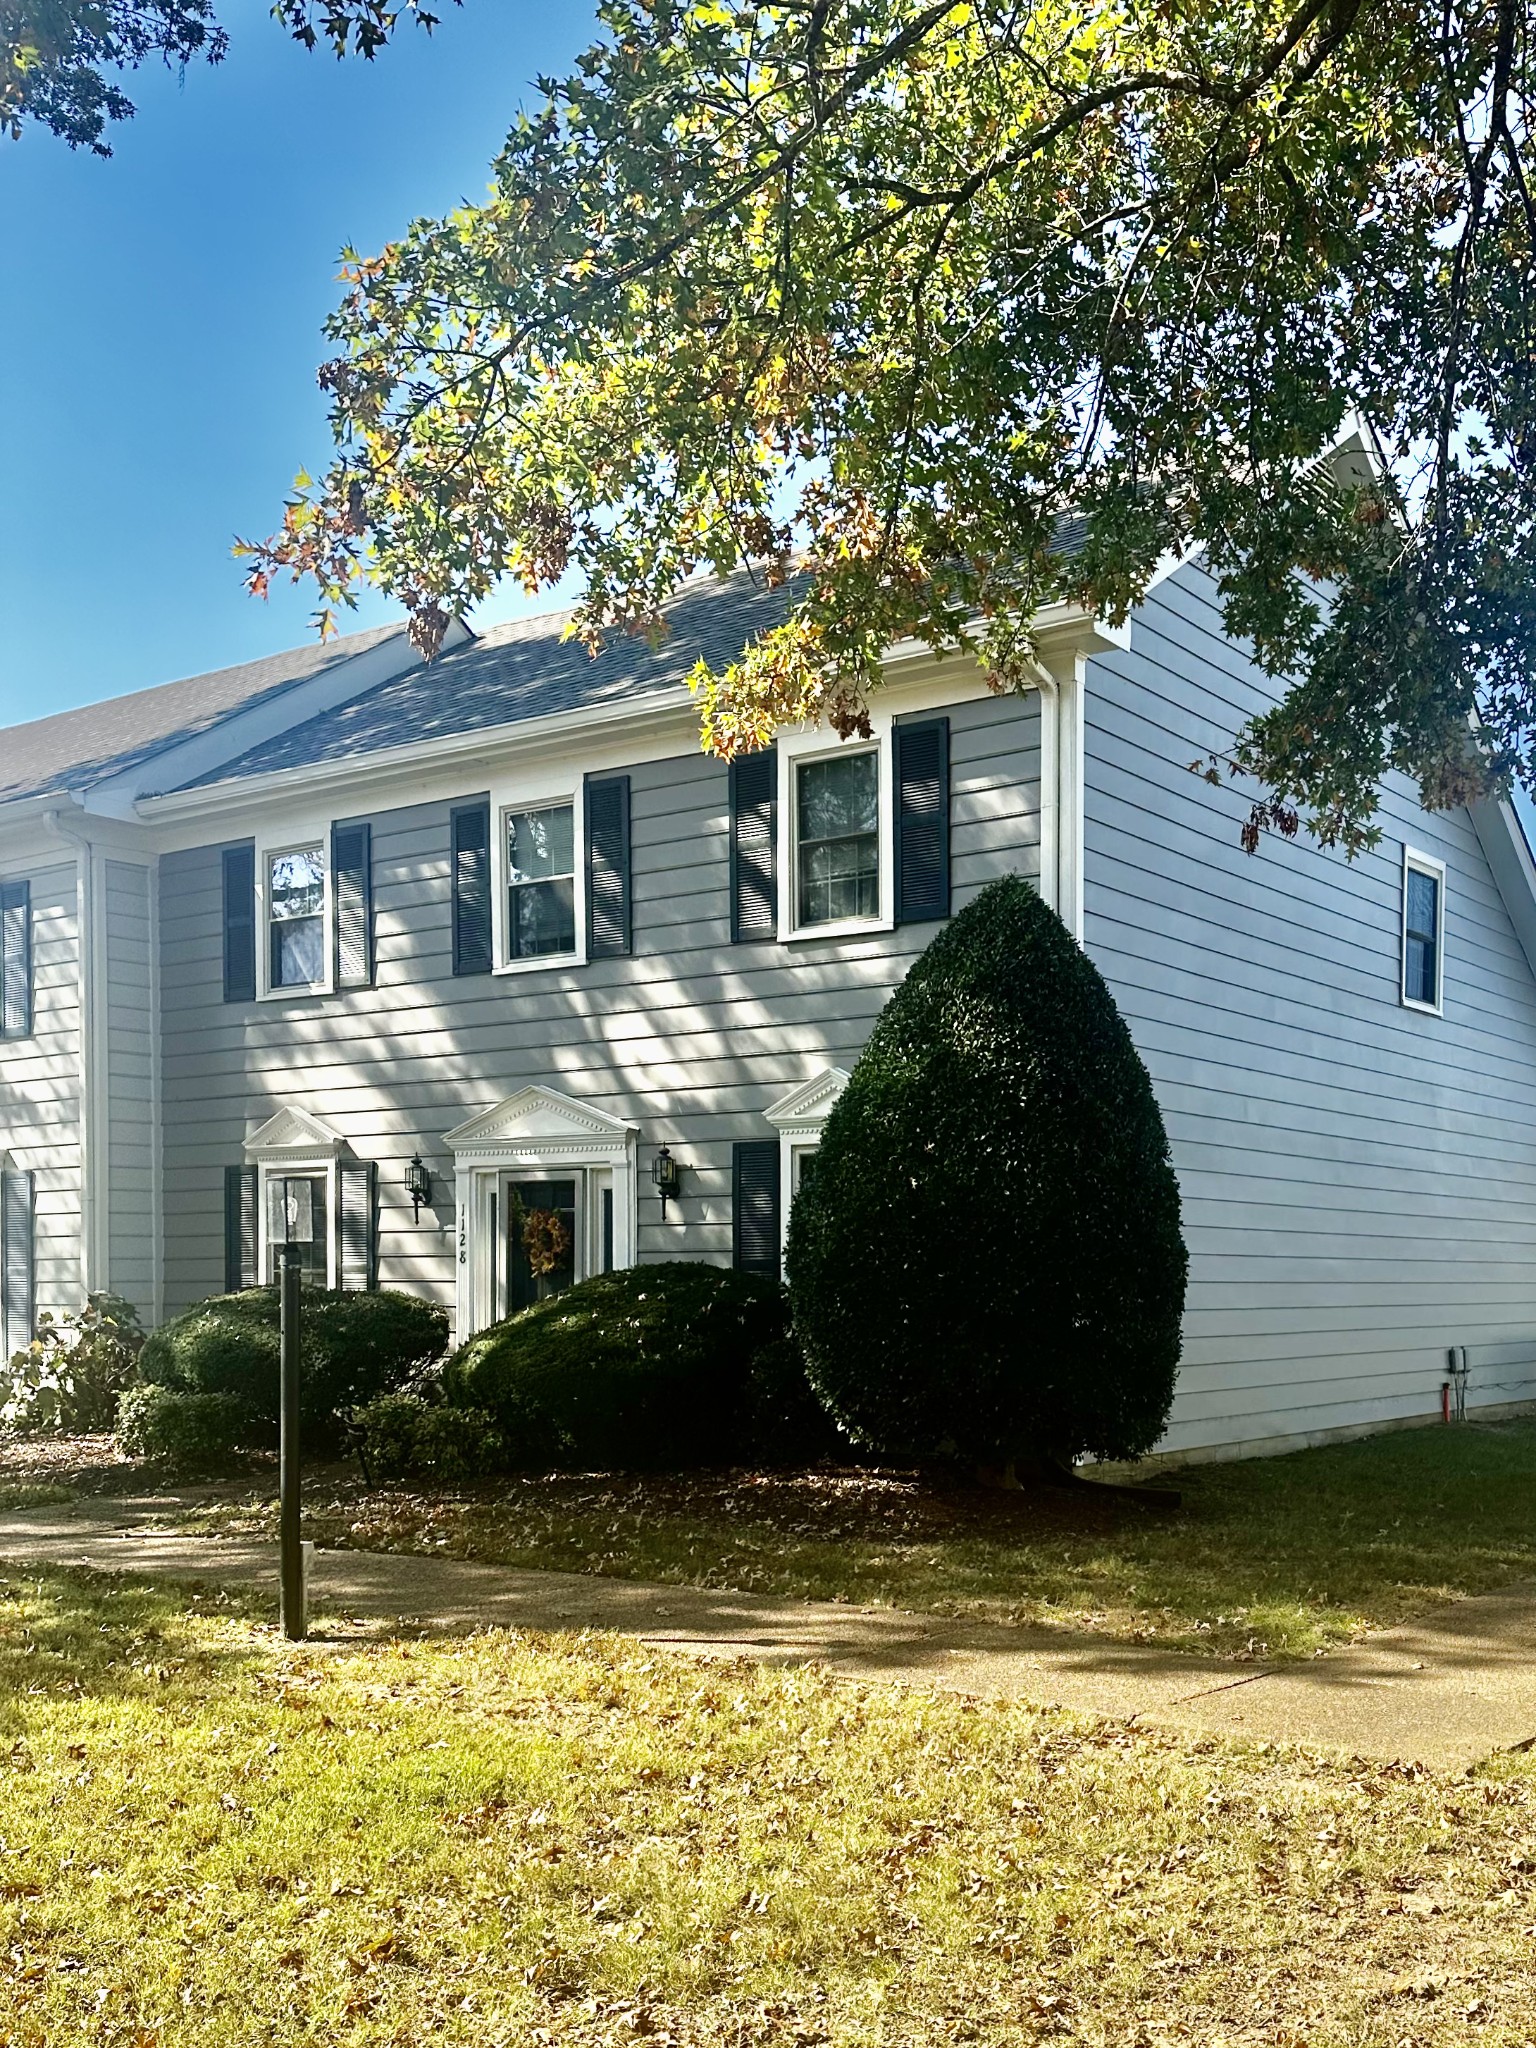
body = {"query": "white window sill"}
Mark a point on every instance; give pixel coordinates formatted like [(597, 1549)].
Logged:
[(840, 928), (298, 988), (541, 960), (1424, 1009)]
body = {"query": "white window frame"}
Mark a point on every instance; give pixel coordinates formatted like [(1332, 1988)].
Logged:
[(293, 839), (293, 1143), (1415, 862), (816, 744), (536, 797), (799, 1118)]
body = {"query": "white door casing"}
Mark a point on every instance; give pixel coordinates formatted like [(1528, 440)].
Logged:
[(798, 1118), (536, 1130)]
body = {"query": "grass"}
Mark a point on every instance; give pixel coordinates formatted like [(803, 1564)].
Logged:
[(1279, 1557), (27, 1494), (215, 1840)]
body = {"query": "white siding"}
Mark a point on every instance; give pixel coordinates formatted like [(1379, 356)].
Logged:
[(40, 1084), (1359, 1180)]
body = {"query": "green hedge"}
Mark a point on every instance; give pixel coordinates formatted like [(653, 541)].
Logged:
[(406, 1437), (986, 1258), (193, 1431), (642, 1369), (354, 1346)]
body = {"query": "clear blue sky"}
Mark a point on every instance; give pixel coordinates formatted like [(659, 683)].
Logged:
[(160, 324)]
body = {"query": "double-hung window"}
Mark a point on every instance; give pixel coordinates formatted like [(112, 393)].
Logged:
[(540, 901), (296, 884), (1423, 931), (837, 838)]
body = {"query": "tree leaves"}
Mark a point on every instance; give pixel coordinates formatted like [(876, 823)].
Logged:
[(965, 310)]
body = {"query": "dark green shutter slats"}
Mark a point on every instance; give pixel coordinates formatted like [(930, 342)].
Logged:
[(471, 834), (16, 959), (240, 1237), (608, 912), (17, 1259), (352, 880), (922, 821), (239, 924), (755, 1228), (754, 848), (356, 1233)]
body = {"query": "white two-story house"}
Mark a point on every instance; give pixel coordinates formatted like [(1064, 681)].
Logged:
[(345, 950)]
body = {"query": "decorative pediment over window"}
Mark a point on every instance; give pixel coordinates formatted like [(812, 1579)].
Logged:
[(540, 1122), (805, 1108), (294, 1132)]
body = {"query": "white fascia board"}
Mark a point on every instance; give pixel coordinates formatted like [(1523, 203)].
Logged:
[(119, 796), (1514, 872)]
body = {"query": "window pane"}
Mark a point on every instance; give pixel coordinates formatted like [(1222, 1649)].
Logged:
[(298, 953), (837, 839), (296, 1215), (296, 886), (1421, 948), (540, 844), (838, 797), (542, 919)]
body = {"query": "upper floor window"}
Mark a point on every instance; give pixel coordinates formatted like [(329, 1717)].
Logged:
[(296, 917), (541, 881), (15, 959), (1423, 931), (837, 838)]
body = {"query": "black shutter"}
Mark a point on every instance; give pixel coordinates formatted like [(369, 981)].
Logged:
[(755, 1205), (608, 919), (241, 1242), (16, 1260), (922, 821), (352, 881), (754, 846), (239, 924), (356, 1235), (472, 889), (16, 959)]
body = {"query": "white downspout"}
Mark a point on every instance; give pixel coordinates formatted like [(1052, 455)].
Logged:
[(1061, 789), (1050, 786)]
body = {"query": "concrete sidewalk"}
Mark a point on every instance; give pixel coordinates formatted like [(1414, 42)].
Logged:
[(1445, 1692)]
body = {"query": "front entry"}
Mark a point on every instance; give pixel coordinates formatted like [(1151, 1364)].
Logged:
[(542, 1238)]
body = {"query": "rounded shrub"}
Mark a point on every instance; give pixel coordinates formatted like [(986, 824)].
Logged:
[(189, 1430), (643, 1369), (986, 1258), (405, 1437), (353, 1346)]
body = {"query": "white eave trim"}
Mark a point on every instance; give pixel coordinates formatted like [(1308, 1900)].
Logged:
[(1514, 872)]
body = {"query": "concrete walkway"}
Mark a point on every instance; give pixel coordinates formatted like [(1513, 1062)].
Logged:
[(1446, 1692)]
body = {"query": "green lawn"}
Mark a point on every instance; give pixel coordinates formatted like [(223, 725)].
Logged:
[(212, 1840), (1276, 1556)]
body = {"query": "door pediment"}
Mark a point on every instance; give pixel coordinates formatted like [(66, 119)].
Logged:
[(539, 1121)]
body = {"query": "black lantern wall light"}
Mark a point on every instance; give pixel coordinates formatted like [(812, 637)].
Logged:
[(418, 1185), (668, 1176)]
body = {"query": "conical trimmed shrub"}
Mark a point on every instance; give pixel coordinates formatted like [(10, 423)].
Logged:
[(985, 1257)]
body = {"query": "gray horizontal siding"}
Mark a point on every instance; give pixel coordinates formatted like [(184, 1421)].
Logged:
[(40, 1084), (1359, 1180), (691, 1037)]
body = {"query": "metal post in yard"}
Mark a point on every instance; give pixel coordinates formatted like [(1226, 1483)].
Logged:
[(295, 1618)]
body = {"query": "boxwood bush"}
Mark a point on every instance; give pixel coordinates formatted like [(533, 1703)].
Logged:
[(193, 1431), (353, 1346), (986, 1259), (403, 1436), (641, 1369)]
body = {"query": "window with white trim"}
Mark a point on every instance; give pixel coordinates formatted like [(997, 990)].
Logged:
[(837, 838), (296, 917), (1423, 950), (540, 845), (298, 1213)]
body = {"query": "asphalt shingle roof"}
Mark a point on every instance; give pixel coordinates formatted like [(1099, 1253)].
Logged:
[(522, 670), (75, 749)]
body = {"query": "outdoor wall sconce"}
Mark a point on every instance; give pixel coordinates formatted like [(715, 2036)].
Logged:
[(418, 1185), (668, 1176)]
